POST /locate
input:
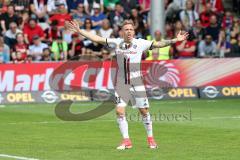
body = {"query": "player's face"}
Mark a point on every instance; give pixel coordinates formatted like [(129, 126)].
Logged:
[(128, 32)]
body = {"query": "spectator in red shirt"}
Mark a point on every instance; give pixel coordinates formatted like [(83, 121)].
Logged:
[(21, 48), (61, 16), (227, 21), (187, 48), (206, 14), (76, 47), (31, 30)]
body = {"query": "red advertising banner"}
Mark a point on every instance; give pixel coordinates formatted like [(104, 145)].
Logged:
[(98, 75)]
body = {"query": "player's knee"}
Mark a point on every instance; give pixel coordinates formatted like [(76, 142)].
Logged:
[(120, 112), (144, 111)]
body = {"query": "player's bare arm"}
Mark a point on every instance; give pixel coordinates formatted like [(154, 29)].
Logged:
[(74, 26), (180, 37)]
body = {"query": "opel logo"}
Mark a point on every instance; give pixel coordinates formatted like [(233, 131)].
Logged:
[(211, 92), (49, 97)]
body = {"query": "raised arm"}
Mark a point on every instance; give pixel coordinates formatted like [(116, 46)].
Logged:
[(74, 27), (180, 37)]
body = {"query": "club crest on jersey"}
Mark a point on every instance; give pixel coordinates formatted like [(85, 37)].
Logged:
[(134, 46)]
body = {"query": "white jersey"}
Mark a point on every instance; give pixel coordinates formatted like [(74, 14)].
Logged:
[(129, 57)]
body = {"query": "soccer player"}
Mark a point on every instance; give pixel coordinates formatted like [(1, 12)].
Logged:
[(129, 86)]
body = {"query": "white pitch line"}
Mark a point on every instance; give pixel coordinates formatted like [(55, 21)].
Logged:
[(108, 120), (17, 157)]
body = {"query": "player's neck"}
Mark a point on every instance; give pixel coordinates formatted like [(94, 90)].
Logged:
[(128, 41)]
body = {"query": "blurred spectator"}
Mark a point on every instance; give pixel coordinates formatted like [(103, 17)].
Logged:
[(213, 29), (97, 16), (4, 51), (10, 35), (66, 34), (206, 14), (24, 20), (187, 48), (36, 50), (80, 14), (7, 18), (163, 53), (236, 6), (21, 48), (88, 27), (32, 29), (117, 16), (3, 6), (227, 21), (138, 23), (52, 33), (110, 4), (178, 26), (105, 31), (217, 5), (74, 4), (180, 3), (60, 49), (128, 5), (46, 56), (20, 5), (105, 55), (89, 55), (189, 16), (155, 55), (172, 10), (39, 9), (76, 47), (52, 5), (235, 31), (61, 15), (144, 6), (223, 46), (198, 31), (235, 49), (91, 4), (207, 47)]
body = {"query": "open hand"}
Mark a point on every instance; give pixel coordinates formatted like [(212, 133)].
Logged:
[(182, 36), (73, 26)]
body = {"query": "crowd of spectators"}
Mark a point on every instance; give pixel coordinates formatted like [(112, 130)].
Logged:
[(35, 30)]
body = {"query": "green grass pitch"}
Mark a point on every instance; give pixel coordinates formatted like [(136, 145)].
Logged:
[(207, 130)]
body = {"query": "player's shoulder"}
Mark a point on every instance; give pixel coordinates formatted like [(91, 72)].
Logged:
[(140, 40)]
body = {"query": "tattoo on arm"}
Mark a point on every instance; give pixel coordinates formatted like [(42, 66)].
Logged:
[(165, 43)]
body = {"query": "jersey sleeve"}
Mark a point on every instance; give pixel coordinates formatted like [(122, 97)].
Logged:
[(112, 42), (145, 44)]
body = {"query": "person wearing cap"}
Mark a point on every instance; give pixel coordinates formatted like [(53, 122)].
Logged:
[(52, 5), (91, 6), (97, 16), (36, 50)]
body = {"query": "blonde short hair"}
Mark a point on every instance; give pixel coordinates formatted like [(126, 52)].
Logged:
[(126, 22)]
